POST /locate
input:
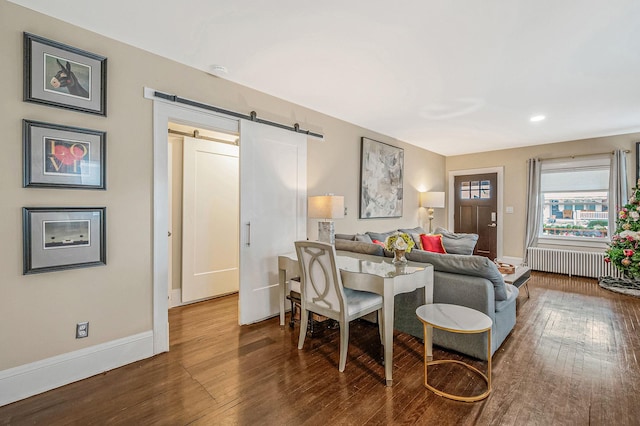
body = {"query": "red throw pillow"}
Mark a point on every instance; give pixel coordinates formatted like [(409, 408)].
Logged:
[(432, 243), (378, 242)]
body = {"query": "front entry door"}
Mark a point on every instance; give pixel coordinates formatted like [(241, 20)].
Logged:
[(475, 210)]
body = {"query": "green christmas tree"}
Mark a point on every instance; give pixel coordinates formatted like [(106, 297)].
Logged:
[(624, 249)]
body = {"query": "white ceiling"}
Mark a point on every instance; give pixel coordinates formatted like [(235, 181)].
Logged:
[(453, 77)]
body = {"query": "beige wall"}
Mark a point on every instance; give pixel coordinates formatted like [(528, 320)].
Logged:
[(515, 174), (39, 312)]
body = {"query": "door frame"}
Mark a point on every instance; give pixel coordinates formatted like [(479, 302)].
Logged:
[(163, 113), (451, 203)]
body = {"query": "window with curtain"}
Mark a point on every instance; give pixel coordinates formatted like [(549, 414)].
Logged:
[(575, 199)]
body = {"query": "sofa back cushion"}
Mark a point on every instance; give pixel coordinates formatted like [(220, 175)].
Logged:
[(359, 247), (380, 236), (456, 243), (364, 238), (475, 266), (415, 235), (350, 237)]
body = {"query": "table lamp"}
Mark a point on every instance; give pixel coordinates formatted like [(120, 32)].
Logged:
[(326, 207), (431, 200)]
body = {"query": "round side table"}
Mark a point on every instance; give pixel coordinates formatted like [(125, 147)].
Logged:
[(456, 319)]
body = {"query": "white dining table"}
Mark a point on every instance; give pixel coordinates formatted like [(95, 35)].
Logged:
[(376, 274)]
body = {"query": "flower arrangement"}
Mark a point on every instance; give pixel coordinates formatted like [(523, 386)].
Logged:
[(624, 249), (399, 241)]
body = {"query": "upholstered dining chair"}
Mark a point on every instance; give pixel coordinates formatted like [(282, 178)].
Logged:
[(322, 292)]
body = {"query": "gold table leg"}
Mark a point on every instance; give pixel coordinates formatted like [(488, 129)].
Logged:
[(486, 377)]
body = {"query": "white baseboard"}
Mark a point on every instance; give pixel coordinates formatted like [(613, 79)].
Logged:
[(31, 379)]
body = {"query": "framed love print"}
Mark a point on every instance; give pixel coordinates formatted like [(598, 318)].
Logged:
[(64, 76), (57, 156), (58, 238)]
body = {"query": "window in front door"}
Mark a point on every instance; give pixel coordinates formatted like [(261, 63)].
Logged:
[(476, 189)]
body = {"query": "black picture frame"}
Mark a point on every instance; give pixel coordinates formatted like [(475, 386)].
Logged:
[(381, 180), (57, 156), (61, 238), (63, 76)]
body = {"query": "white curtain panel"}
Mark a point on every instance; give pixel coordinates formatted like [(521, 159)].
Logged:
[(534, 208), (618, 187)]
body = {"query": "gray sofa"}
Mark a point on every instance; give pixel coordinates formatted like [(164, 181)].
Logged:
[(459, 279)]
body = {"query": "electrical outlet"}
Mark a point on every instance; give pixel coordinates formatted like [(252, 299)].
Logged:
[(82, 330)]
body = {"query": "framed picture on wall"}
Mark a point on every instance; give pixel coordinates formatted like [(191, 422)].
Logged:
[(381, 175), (59, 238), (64, 76), (57, 156)]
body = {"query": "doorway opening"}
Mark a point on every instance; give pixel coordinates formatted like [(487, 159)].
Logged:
[(163, 114), (203, 184)]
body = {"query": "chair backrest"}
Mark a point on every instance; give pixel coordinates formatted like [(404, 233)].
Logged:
[(321, 285)]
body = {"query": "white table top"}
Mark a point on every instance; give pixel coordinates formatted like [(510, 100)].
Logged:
[(369, 264), (454, 318), (373, 265)]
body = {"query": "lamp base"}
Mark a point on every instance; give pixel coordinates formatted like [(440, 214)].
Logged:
[(430, 212), (326, 232)]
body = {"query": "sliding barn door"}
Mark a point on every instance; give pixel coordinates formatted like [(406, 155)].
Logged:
[(273, 188)]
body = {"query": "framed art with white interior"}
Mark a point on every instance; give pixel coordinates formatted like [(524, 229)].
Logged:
[(57, 156), (381, 176), (60, 238), (63, 76)]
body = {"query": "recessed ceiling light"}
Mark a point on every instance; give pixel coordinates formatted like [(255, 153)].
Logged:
[(537, 118)]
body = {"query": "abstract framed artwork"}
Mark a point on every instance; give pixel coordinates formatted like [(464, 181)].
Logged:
[(64, 76), (58, 156), (381, 176), (60, 238)]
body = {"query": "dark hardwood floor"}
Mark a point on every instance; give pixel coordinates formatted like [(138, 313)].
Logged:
[(572, 359)]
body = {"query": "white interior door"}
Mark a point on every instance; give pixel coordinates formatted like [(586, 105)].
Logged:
[(210, 219), (273, 182)]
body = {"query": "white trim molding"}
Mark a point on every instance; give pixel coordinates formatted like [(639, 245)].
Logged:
[(31, 379), (165, 111), (175, 297)]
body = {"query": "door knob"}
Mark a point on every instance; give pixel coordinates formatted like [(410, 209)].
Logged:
[(492, 225)]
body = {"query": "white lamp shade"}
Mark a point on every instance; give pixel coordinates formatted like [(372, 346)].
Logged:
[(326, 207), (434, 200)]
